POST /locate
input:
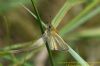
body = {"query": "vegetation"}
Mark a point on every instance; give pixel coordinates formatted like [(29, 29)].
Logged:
[(23, 23)]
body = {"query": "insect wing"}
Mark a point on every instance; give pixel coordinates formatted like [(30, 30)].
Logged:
[(56, 42)]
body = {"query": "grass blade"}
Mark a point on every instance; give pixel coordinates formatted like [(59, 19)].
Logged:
[(39, 21), (42, 31), (22, 47), (79, 19), (26, 57), (66, 7), (77, 57), (33, 14)]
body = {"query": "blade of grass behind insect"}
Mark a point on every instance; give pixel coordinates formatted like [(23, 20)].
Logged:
[(30, 45), (81, 61), (33, 15), (95, 32), (10, 49), (42, 31), (77, 21), (27, 56), (90, 32), (77, 57), (65, 8)]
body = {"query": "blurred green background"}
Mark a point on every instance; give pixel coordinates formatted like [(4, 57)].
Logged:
[(18, 26)]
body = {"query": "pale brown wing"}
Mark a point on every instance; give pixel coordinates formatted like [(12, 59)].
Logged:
[(56, 42), (60, 43)]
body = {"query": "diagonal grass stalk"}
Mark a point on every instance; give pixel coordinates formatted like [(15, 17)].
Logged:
[(33, 14), (26, 57), (71, 51), (38, 17), (42, 31), (57, 43), (65, 8), (55, 23), (74, 23), (28, 46), (81, 61), (88, 33)]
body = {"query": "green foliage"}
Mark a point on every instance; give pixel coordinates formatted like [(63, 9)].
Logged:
[(78, 20), (42, 31), (66, 7), (1, 64), (87, 13)]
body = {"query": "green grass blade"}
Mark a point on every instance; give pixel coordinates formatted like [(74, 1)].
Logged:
[(42, 31), (33, 14), (39, 21), (27, 57), (66, 7), (81, 61), (77, 21), (24, 46)]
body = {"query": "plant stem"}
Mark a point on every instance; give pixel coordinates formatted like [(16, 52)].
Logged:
[(32, 14), (38, 17), (42, 30)]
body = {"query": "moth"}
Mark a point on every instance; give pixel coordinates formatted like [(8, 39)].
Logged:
[(55, 42), (50, 35)]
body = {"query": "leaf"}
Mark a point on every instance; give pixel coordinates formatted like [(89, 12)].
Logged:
[(66, 7), (79, 19)]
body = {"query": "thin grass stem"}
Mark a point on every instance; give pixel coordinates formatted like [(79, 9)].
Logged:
[(42, 31)]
